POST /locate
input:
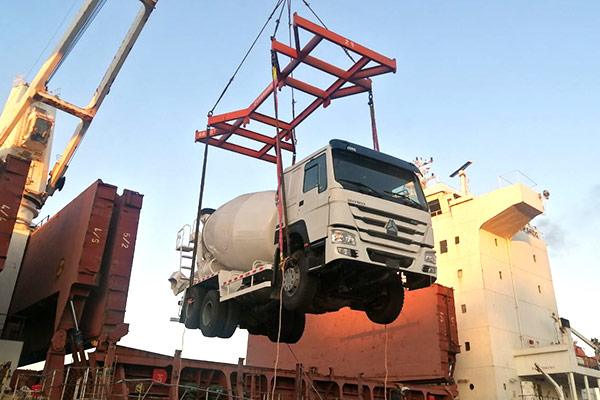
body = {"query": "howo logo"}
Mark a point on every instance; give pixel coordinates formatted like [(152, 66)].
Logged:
[(391, 228)]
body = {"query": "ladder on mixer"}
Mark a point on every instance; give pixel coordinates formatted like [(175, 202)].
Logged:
[(185, 247)]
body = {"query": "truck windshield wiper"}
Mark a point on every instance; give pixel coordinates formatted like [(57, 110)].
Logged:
[(358, 184), (404, 197)]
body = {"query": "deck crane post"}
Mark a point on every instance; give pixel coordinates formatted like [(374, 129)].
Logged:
[(27, 129)]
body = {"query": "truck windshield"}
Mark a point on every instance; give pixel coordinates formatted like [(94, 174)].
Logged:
[(366, 175)]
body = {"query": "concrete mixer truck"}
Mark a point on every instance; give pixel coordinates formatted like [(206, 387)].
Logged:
[(359, 234)]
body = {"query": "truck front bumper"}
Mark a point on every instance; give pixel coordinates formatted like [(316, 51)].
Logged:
[(381, 252)]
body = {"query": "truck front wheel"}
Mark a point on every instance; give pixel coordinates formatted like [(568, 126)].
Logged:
[(292, 326), (386, 308), (213, 314), (299, 287)]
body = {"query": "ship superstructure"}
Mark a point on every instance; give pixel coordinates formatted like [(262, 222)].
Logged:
[(507, 316)]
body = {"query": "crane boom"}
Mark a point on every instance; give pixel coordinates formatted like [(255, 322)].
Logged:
[(27, 129), (37, 92), (587, 341)]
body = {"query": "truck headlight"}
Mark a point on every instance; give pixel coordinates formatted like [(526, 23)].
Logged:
[(339, 236), (430, 257)]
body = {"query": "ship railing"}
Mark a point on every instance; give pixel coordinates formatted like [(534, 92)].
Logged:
[(80, 383)]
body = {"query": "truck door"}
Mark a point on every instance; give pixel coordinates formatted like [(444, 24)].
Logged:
[(313, 201)]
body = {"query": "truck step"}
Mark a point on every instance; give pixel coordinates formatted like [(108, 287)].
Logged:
[(187, 248)]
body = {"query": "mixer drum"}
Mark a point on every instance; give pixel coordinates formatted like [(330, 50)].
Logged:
[(242, 231)]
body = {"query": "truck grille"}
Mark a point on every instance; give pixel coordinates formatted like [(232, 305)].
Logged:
[(371, 225), (390, 260)]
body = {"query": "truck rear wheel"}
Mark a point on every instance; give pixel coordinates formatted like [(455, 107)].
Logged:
[(292, 326), (193, 302), (232, 320), (386, 308), (299, 287), (213, 314)]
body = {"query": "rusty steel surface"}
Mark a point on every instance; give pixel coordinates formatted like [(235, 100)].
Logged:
[(67, 250), (105, 309), (346, 82), (422, 343), (76, 266), (196, 379), (13, 176)]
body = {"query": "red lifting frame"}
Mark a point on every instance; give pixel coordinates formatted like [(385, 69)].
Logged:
[(348, 82)]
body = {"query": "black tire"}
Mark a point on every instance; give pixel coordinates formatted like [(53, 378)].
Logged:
[(299, 287), (232, 320), (296, 334), (191, 310), (212, 315), (386, 308), (292, 327)]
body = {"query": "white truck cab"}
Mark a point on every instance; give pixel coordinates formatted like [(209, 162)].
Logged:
[(361, 219)]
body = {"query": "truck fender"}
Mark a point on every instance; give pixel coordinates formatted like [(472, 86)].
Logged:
[(298, 234)]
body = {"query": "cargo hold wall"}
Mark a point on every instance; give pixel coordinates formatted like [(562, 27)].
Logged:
[(421, 344)]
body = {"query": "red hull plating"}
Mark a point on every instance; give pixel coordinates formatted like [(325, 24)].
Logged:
[(136, 372), (82, 254), (422, 342)]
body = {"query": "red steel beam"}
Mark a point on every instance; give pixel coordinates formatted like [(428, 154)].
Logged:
[(348, 91), (242, 116), (197, 377), (226, 117), (320, 101), (240, 149), (105, 309), (305, 87), (335, 86), (227, 124), (67, 250), (265, 119), (300, 55), (373, 71), (320, 64), (344, 42), (222, 128)]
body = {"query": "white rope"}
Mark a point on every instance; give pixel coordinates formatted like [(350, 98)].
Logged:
[(276, 366), (385, 360), (310, 380)]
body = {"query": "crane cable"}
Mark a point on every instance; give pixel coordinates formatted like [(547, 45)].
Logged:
[(306, 3), (281, 200), (277, 4), (293, 131), (370, 103), (50, 40), (310, 380), (373, 121), (205, 141), (277, 21), (281, 214)]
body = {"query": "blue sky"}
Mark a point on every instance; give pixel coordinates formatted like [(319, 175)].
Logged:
[(511, 85)]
